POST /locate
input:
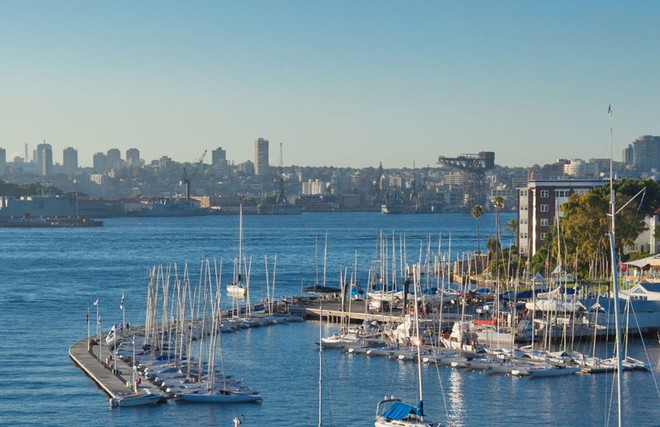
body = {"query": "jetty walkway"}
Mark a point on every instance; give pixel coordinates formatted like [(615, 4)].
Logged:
[(91, 361)]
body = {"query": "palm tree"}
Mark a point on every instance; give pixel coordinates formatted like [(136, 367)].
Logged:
[(477, 211), (498, 203), (512, 227)]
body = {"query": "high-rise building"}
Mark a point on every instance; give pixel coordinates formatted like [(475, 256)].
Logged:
[(219, 160), (44, 156), (646, 153), (100, 163), (133, 157), (261, 166), (70, 160), (3, 159), (114, 159), (628, 155), (219, 157)]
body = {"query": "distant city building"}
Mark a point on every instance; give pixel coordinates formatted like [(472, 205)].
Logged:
[(44, 159), (133, 158), (70, 160), (261, 166), (646, 153), (314, 187), (164, 162), (627, 155), (113, 159), (100, 163), (3, 159), (219, 160), (453, 178), (342, 182), (245, 168), (218, 157), (575, 167), (538, 207)]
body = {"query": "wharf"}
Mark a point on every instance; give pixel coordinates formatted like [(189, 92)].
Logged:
[(113, 384), (333, 313)]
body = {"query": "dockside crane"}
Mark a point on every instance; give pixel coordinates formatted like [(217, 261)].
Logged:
[(195, 169), (473, 167)]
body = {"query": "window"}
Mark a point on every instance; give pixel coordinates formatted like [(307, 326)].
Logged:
[(542, 235), (543, 208), (523, 235), (561, 193), (544, 194), (523, 207), (523, 193), (544, 222)]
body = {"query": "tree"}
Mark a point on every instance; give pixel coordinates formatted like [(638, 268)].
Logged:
[(493, 246), (585, 225), (512, 227), (477, 211), (498, 203)]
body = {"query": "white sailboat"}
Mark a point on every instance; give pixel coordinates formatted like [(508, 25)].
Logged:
[(137, 397), (391, 411), (237, 288)]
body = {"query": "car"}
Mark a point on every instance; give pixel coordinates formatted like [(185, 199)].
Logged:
[(484, 309)]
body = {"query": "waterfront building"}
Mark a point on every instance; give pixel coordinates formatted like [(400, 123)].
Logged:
[(133, 158), (261, 166), (70, 160), (34, 206), (539, 205), (100, 163), (342, 182), (313, 187), (646, 241)]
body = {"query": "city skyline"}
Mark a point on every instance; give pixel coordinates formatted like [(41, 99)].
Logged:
[(344, 84)]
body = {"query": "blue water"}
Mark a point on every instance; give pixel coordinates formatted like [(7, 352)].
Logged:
[(49, 278)]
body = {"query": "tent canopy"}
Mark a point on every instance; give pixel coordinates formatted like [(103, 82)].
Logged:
[(653, 261)]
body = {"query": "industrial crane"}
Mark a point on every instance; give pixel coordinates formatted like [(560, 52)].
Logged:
[(473, 167), (195, 168)]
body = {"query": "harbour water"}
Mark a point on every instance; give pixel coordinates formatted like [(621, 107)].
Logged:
[(50, 277)]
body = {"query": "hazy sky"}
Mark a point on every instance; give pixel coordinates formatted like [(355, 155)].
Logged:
[(343, 83)]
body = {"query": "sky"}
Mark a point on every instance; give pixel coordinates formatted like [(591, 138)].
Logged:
[(337, 83)]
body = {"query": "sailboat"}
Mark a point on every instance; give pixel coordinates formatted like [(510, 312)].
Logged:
[(394, 412), (237, 288), (137, 397), (214, 387)]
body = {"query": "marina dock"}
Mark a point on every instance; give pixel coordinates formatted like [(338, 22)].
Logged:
[(113, 384)]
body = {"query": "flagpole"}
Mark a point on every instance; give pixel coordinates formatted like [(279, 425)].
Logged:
[(98, 331), (114, 350), (123, 313), (88, 331)]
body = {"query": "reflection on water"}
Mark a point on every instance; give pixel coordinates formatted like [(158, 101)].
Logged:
[(456, 396)]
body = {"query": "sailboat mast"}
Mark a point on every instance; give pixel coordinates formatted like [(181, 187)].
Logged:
[(615, 279), (320, 363), (416, 275), (240, 239)]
